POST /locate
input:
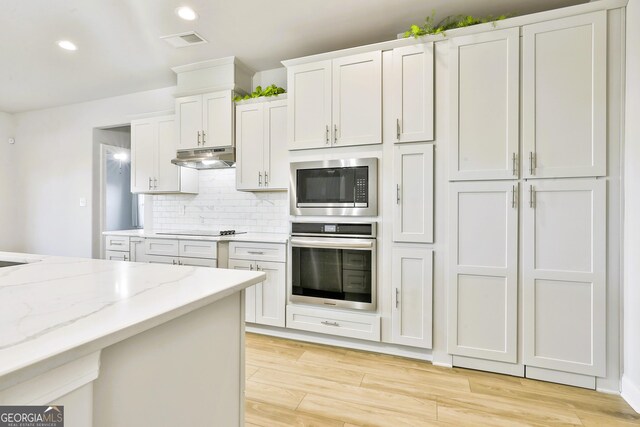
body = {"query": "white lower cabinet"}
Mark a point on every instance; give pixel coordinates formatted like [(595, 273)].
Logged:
[(483, 270), (563, 280), (411, 316), (116, 256), (334, 322), (117, 248), (264, 302), (564, 275)]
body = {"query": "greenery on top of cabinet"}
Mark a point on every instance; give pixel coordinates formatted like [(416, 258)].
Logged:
[(271, 90), (449, 23)]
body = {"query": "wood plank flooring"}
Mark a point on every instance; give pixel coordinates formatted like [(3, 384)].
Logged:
[(291, 383)]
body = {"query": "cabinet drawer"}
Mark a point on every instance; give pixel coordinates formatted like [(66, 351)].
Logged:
[(198, 249), (117, 243), (258, 251), (198, 262), (116, 256), (346, 324), (166, 247)]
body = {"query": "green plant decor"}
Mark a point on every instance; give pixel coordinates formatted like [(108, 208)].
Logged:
[(449, 23), (271, 90)]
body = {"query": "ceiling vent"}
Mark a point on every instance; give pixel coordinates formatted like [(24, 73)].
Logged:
[(190, 38)]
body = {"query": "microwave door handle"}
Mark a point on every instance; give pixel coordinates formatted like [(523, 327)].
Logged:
[(331, 245)]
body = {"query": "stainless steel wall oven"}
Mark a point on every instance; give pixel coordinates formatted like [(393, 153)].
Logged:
[(334, 264), (335, 187)]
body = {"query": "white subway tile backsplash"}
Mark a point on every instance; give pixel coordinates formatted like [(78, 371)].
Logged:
[(220, 206)]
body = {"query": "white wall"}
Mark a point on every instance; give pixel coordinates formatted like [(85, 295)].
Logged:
[(631, 375), (220, 206), (55, 152), (7, 189), (277, 76)]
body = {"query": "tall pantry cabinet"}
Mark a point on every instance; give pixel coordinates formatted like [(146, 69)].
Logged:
[(528, 232)]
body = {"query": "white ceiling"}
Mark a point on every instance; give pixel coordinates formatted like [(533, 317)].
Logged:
[(120, 50)]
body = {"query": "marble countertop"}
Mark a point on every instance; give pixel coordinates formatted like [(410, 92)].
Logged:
[(54, 306), (247, 237)]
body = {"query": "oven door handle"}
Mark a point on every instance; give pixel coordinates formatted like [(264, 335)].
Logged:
[(331, 244)]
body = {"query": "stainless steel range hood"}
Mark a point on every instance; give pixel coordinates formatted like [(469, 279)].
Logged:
[(206, 158)]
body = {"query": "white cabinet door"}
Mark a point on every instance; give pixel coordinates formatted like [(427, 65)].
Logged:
[(564, 97), (136, 249), (271, 294), (483, 270), (484, 108), (413, 172), (413, 92), (189, 121), (357, 99), (217, 119), (168, 174), (143, 149), (250, 147), (412, 297), (564, 275), (309, 117), (276, 163), (250, 292)]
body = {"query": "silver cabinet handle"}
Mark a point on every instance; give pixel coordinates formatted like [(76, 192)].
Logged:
[(149, 183), (532, 162), (398, 129), (532, 197), (255, 252), (260, 179), (173, 261), (335, 134), (514, 196), (514, 160), (199, 142), (324, 322), (397, 194), (204, 139), (117, 243), (125, 258), (397, 297), (251, 267), (155, 183), (266, 178), (258, 267), (326, 135)]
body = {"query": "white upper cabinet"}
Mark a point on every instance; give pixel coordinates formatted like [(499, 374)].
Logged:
[(357, 99), (564, 275), (413, 92), (261, 152), (143, 155), (485, 85), (205, 121), (217, 119), (483, 270), (336, 102), (310, 105), (412, 309), (564, 97), (413, 176), (153, 145)]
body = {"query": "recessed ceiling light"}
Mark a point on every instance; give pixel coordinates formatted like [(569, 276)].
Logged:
[(67, 45), (186, 13)]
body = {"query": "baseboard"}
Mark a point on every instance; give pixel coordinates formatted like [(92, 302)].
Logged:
[(630, 393), (312, 337)]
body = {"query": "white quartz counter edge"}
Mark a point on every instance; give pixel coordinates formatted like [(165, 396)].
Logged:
[(55, 309), (248, 237)]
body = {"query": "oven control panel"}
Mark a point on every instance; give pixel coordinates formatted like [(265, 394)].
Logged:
[(340, 229)]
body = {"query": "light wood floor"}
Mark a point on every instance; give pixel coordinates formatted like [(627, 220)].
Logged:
[(290, 383)]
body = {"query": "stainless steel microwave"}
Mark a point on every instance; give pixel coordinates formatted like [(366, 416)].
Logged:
[(335, 187)]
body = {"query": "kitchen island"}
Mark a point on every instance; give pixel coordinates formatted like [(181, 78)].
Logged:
[(121, 343)]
